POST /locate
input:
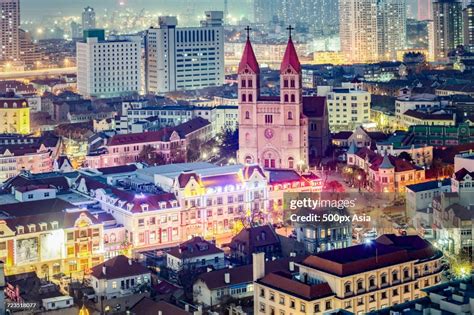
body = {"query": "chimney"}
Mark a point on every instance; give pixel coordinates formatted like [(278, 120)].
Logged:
[(103, 269), (130, 261), (258, 265), (292, 266), (186, 307), (160, 313), (227, 278)]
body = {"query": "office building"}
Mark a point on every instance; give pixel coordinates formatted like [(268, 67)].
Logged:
[(468, 23), (9, 29), (88, 19), (185, 58), (358, 30), (448, 32), (108, 68)]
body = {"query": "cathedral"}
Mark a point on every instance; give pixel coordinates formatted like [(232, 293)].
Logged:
[(275, 131)]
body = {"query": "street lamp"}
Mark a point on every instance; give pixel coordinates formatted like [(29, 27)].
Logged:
[(358, 179)]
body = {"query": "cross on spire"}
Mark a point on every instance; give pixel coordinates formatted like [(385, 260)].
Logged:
[(248, 29), (290, 28)]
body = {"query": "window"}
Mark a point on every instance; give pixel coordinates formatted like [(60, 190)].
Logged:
[(291, 162), (292, 304), (247, 115), (269, 119), (347, 287), (293, 98), (282, 300), (290, 115), (328, 305), (250, 83), (242, 83), (244, 97), (286, 98), (285, 83), (303, 307), (250, 97), (316, 308)]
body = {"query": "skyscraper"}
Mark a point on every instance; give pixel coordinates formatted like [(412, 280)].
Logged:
[(9, 29), (88, 19), (358, 30), (391, 28), (448, 33), (425, 10), (185, 58), (468, 21), (264, 11), (324, 16)]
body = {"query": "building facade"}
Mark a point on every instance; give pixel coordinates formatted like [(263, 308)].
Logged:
[(448, 27), (10, 30), (185, 58), (108, 68), (358, 279), (272, 130), (14, 115)]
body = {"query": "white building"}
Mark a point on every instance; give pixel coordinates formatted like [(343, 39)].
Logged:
[(425, 102), (347, 107), (195, 254), (419, 196), (108, 68), (185, 58), (118, 276)]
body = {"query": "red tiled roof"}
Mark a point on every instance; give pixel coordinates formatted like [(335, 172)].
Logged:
[(314, 106), (283, 281), (243, 274), (184, 178), (118, 267), (400, 165), (142, 137), (290, 58), (248, 59), (250, 169), (253, 238), (195, 247)]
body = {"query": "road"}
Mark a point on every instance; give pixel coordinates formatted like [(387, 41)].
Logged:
[(37, 73)]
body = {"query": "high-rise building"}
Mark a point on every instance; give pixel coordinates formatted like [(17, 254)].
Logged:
[(468, 21), (29, 51), (448, 33), (9, 29), (358, 30), (108, 68), (324, 16), (76, 30), (185, 58), (425, 11), (264, 11), (391, 28), (88, 19)]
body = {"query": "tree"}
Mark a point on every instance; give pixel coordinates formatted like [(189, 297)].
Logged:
[(148, 155), (177, 155), (334, 186), (193, 151), (229, 143), (406, 156)]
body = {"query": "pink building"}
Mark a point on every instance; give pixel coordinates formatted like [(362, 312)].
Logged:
[(122, 149), (273, 131)]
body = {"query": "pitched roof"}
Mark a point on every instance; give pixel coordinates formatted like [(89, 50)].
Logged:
[(54, 179), (290, 58), (195, 247), (148, 306), (387, 250), (460, 174), (428, 116), (248, 59), (429, 185), (255, 237), (118, 267), (314, 106), (118, 169), (342, 135), (243, 274), (284, 282)]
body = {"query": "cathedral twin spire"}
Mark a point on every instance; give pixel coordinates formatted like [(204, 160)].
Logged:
[(290, 58)]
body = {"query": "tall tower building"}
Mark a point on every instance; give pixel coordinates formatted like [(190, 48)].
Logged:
[(448, 33), (273, 131), (391, 28), (264, 11), (88, 19), (9, 29), (185, 58), (468, 21), (325, 16), (358, 30), (425, 10)]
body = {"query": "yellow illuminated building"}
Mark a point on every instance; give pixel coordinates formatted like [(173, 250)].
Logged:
[(14, 115)]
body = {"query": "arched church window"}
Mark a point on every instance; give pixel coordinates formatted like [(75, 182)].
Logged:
[(250, 97), (293, 98), (290, 115), (286, 98), (244, 97), (247, 115)]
